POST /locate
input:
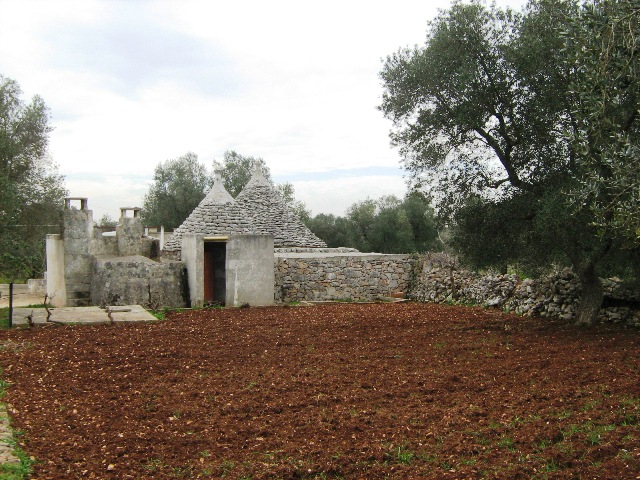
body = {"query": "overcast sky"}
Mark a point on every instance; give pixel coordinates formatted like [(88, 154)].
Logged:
[(131, 83)]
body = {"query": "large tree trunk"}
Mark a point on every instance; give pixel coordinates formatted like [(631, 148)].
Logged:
[(592, 295)]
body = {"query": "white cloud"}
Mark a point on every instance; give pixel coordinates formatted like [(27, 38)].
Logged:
[(131, 84), (108, 193), (336, 195)]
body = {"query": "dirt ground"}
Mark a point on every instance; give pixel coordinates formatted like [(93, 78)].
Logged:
[(338, 391)]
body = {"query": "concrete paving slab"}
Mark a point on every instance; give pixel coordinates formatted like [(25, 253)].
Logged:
[(131, 313), (21, 295), (83, 315)]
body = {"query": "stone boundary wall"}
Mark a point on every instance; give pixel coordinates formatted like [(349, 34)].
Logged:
[(279, 250), (340, 277), (441, 280)]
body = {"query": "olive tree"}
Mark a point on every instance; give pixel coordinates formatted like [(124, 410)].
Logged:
[(179, 185), (483, 115), (31, 189), (603, 48), (236, 171)]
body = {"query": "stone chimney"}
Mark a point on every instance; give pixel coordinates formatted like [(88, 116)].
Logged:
[(129, 231), (77, 231)]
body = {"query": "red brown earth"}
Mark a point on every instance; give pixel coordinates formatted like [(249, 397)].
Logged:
[(338, 391)]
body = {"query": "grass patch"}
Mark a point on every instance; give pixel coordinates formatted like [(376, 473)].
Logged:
[(161, 314), (17, 471), (164, 312), (7, 280), (507, 443), (400, 455), (153, 465), (404, 456), (20, 470), (594, 436)]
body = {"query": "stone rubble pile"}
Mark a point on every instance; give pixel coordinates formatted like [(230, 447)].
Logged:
[(441, 280)]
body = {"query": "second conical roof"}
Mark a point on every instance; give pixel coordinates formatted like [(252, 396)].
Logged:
[(269, 213)]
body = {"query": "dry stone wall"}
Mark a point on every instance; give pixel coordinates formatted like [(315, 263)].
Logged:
[(282, 250), (441, 280), (340, 277)]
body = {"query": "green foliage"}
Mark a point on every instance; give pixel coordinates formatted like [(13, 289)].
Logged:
[(386, 225), (603, 48), (236, 170), (31, 190), (421, 218), (17, 471), (391, 228), (473, 113), (361, 216), (333, 230), (522, 229), (21, 469), (107, 221), (490, 115), (401, 455), (161, 314), (288, 194), (179, 186), (4, 318)]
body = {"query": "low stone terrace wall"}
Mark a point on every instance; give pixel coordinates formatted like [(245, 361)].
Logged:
[(137, 280), (316, 276), (441, 280)]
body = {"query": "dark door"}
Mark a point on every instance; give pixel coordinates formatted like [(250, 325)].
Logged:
[(214, 272)]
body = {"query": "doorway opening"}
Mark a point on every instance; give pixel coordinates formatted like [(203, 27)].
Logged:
[(215, 278)]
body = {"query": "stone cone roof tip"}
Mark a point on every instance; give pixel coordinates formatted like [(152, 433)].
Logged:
[(216, 214), (268, 212), (257, 178), (217, 194)]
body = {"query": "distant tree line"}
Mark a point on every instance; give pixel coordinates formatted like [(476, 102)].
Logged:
[(385, 225)]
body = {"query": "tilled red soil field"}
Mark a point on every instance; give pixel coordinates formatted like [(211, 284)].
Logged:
[(338, 391)]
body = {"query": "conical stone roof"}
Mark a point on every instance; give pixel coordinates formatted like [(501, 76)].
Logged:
[(216, 215), (269, 213)]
